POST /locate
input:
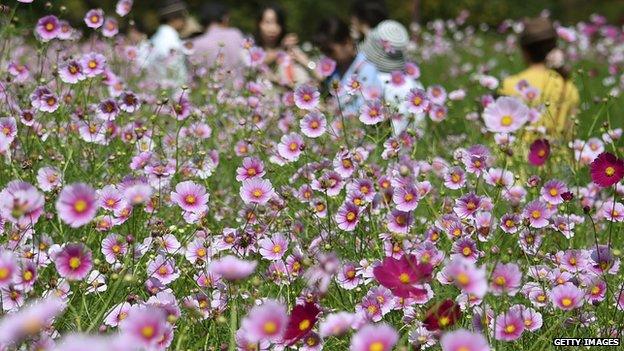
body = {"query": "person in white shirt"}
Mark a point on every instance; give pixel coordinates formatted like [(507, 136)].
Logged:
[(167, 59), (385, 48)]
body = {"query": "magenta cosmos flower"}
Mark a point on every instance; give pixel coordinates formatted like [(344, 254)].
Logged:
[(348, 216), (256, 191), (607, 169), (505, 115), (48, 28), (266, 322), (94, 18), (539, 152), (71, 72), (401, 276), (463, 340), (306, 97), (73, 262), (506, 278), (191, 197), (509, 326), (380, 337), (567, 296), (232, 268), (77, 204)]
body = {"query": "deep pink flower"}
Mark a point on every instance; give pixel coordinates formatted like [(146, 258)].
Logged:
[(539, 152), (402, 275), (73, 262), (607, 169), (302, 320)]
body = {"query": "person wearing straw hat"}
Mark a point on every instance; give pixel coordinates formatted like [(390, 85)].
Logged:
[(544, 83), (385, 48), (167, 59)]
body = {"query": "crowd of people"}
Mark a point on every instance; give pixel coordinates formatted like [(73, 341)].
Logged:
[(368, 55)]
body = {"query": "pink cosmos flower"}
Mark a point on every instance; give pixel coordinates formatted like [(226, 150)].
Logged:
[(336, 324), (94, 18), (110, 28), (506, 278), (509, 326), (77, 205), (348, 216), (325, 67), (266, 322), (163, 269), (191, 197), (417, 101), (372, 113), (113, 248), (380, 337), (313, 125), (252, 167), (463, 340), (290, 146), (232, 268), (436, 94), (567, 296), (8, 268), (406, 198), (306, 97), (73, 262), (454, 178), (537, 213), (117, 314), (552, 190), (129, 102), (20, 203), (611, 211), (71, 72), (146, 326), (466, 276), (505, 115), (256, 191), (123, 7), (48, 28), (93, 64), (273, 248)]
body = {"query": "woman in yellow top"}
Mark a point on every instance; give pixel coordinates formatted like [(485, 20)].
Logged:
[(544, 82)]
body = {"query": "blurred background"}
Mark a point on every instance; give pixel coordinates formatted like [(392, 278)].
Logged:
[(303, 15)]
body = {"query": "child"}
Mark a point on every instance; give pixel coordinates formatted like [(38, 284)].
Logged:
[(545, 81), (167, 58)]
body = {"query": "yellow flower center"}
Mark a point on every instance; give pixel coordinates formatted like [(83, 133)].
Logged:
[(190, 199), (536, 214), (466, 251), (463, 279), (147, 331), (350, 216), (444, 321), (553, 192), (270, 327), (500, 280), (277, 248), (257, 193), (566, 302), (404, 278), (80, 206), (506, 120), (510, 328), (610, 171), (304, 324), (74, 262), (376, 346), (4, 272)]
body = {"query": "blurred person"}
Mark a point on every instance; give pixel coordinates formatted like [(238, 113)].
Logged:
[(366, 15), (385, 48), (334, 40), (545, 80), (289, 65), (167, 56), (220, 42)]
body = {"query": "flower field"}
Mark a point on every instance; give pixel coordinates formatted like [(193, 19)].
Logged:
[(229, 213)]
